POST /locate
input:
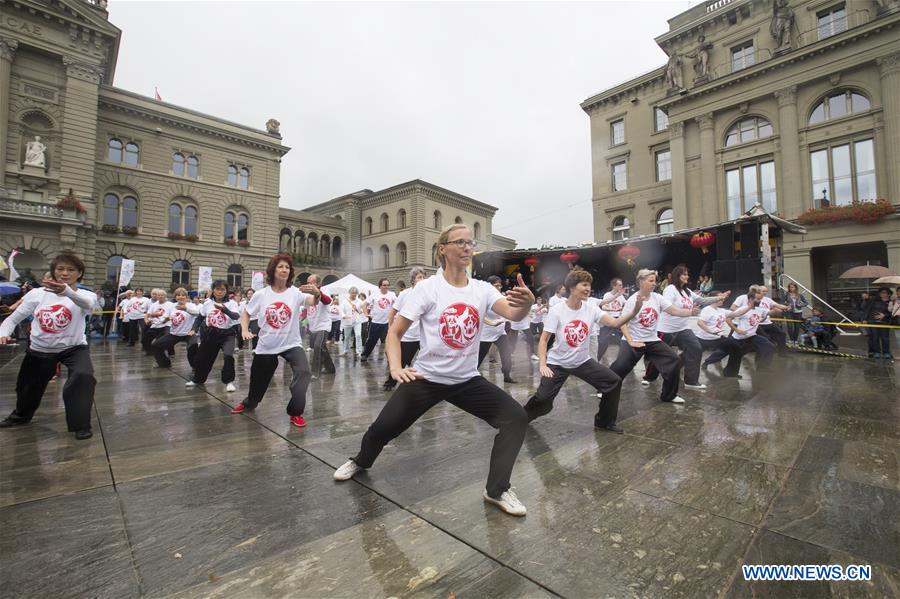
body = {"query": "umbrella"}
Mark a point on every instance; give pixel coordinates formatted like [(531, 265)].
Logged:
[(888, 281), (869, 271), (9, 288)]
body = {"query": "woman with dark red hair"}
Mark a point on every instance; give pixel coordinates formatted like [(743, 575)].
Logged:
[(277, 309)]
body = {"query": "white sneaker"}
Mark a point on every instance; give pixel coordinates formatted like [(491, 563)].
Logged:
[(508, 502), (645, 383), (190, 384), (534, 358), (230, 388), (347, 470), (700, 387), (599, 395), (678, 399)]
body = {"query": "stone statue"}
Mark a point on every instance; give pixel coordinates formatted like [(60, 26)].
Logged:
[(782, 24), (701, 58), (673, 71), (34, 153), (273, 127)]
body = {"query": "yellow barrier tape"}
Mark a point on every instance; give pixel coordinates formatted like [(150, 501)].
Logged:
[(845, 324), (827, 352)]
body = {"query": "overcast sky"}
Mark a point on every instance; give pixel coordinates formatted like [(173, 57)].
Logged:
[(479, 98)]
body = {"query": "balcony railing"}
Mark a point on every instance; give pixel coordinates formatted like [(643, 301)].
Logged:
[(37, 209)]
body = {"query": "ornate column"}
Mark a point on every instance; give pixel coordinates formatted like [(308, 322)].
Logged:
[(76, 158), (679, 176), (7, 52), (789, 192), (890, 100), (708, 209)]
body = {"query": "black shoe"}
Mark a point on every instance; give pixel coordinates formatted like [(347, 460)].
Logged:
[(13, 420), (389, 386), (613, 428), (85, 434), (731, 376), (510, 380), (363, 359)]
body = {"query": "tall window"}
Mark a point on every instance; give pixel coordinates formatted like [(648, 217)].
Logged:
[(401, 254), (831, 21), (663, 165), (113, 265), (742, 56), (325, 246), (368, 227), (193, 167), (750, 184), (369, 259), (438, 222), (385, 257), (190, 220), (235, 276), (183, 219), (178, 164), (111, 210), (243, 228), (129, 212), (232, 175), (837, 105), (617, 132), (284, 241), (181, 273), (132, 152), (312, 244), (621, 228), (434, 257), (299, 242), (619, 176), (843, 173), (748, 129), (477, 230), (175, 213), (337, 247), (665, 221), (244, 178), (185, 166), (401, 218), (236, 225), (384, 221), (114, 151), (660, 119), (128, 153)]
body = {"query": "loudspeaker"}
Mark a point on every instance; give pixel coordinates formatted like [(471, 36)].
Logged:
[(725, 243), (724, 273), (750, 240), (749, 272)]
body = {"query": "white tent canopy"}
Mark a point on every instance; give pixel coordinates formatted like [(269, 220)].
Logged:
[(342, 286)]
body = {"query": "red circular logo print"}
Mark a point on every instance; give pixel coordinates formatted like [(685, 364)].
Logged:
[(135, 307), (384, 302), (754, 319), (54, 319), (215, 319), (576, 332), (648, 317), (177, 318), (458, 325), (278, 314)]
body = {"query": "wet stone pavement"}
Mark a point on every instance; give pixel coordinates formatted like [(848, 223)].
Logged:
[(174, 496)]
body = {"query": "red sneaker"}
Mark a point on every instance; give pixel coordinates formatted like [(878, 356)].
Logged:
[(239, 409), (298, 421)]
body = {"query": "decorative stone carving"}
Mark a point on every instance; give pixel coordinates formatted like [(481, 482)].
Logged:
[(674, 76), (701, 59), (676, 129), (35, 153), (273, 127), (78, 69), (889, 64), (886, 6), (8, 48), (705, 121), (782, 25), (786, 96)]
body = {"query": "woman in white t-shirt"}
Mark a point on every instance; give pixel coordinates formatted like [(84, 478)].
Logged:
[(572, 322), (180, 321), (276, 308), (450, 308), (59, 310), (155, 319), (494, 333), (713, 333), (409, 344), (612, 303), (351, 321), (522, 327), (218, 314), (641, 339), (378, 308)]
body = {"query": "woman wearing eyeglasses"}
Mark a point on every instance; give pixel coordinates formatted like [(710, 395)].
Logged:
[(450, 308)]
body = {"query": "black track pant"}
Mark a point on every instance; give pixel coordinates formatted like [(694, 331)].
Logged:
[(162, 346), (377, 332), (151, 335), (765, 351), (730, 347), (773, 333), (321, 357), (262, 370), (477, 397), (606, 336), (408, 351), (214, 340), (657, 353), (503, 346), (132, 331), (691, 353), (78, 393), (514, 338), (591, 372)]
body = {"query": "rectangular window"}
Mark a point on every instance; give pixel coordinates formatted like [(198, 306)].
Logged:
[(742, 56), (661, 119), (843, 173), (749, 184), (664, 165), (617, 132), (619, 176), (832, 21)]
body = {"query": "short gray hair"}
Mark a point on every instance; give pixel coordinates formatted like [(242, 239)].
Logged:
[(644, 273), (414, 272)]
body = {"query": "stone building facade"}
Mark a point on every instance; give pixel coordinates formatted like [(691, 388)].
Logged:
[(118, 175), (789, 104)]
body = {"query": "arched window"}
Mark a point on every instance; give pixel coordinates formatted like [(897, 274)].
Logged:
[(384, 221), (748, 129), (434, 256), (193, 167), (385, 257), (175, 213), (457, 220), (621, 228), (401, 254), (299, 242), (665, 221), (284, 241), (181, 273), (235, 276), (178, 164), (232, 175), (132, 152), (111, 210), (114, 151), (325, 246), (839, 104), (312, 244), (368, 229), (437, 220), (477, 230), (129, 212), (401, 218), (244, 178), (113, 265), (190, 220), (243, 228), (228, 229), (336, 247), (369, 259)]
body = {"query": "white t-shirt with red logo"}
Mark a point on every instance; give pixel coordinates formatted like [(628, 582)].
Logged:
[(278, 316), (490, 332), (450, 319), (538, 313), (380, 306), (749, 322), (572, 328), (318, 317), (614, 308), (215, 318), (157, 314), (334, 310), (58, 322), (684, 299), (714, 318), (412, 333), (182, 321), (644, 325), (765, 302), (136, 308)]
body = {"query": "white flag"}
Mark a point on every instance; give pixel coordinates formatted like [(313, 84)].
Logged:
[(205, 281), (13, 275), (126, 272), (259, 281)]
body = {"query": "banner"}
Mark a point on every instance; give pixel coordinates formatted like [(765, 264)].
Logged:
[(259, 280), (126, 272), (13, 275), (205, 281)]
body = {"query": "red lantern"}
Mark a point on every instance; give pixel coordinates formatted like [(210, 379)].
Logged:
[(702, 241), (531, 262), (629, 253), (569, 258)]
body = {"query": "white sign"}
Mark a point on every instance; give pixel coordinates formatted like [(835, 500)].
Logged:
[(205, 282), (126, 272), (259, 280)]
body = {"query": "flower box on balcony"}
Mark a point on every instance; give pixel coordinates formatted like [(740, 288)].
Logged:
[(192, 238), (230, 242), (70, 202), (175, 236), (864, 211), (244, 243), (109, 229), (130, 230)]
